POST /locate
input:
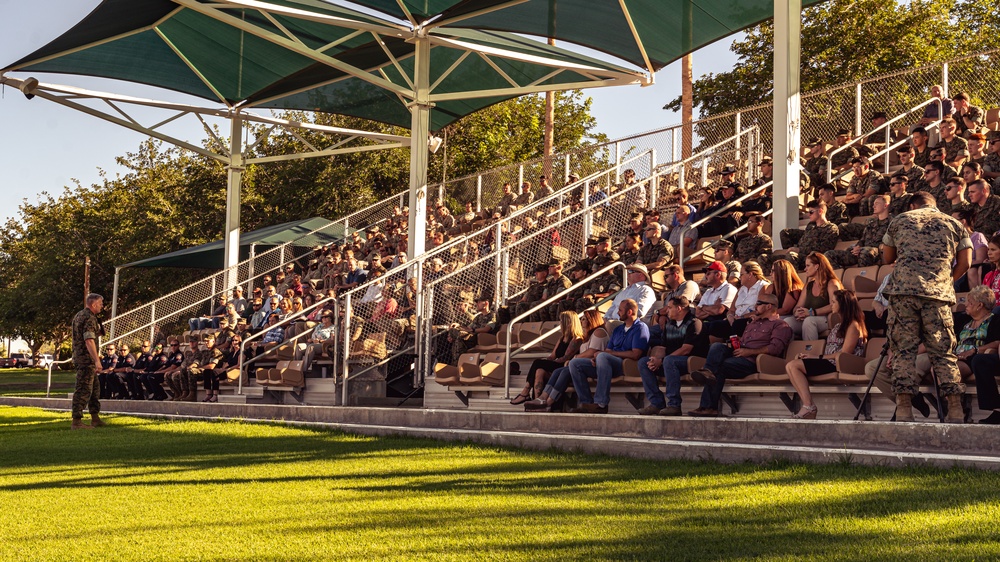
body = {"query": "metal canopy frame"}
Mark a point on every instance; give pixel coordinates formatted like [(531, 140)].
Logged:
[(416, 92)]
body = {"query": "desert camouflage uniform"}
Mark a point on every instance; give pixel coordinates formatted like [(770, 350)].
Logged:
[(628, 257), (462, 340), (921, 294), (870, 181), (916, 173), (503, 207), (836, 213), (752, 246), (900, 204), (651, 253), (815, 239), (532, 296), (816, 168), (607, 283), (988, 216), (601, 260), (554, 285), (87, 393), (954, 148), (524, 199), (843, 157), (921, 158), (869, 242)]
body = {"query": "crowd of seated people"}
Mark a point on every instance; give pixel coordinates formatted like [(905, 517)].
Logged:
[(754, 300)]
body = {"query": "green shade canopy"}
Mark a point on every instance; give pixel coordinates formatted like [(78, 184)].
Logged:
[(310, 55), (209, 256)]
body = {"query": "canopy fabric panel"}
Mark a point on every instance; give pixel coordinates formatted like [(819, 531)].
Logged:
[(210, 256), (665, 30), (310, 55)]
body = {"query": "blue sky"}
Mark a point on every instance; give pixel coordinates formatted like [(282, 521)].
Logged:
[(45, 146)]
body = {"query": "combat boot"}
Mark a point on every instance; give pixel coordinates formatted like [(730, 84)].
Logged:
[(95, 421), (78, 424), (956, 413), (904, 407)]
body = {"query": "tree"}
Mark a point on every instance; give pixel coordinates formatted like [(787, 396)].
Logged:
[(848, 40)]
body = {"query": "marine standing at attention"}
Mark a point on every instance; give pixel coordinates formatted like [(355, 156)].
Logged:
[(924, 243), (86, 330)]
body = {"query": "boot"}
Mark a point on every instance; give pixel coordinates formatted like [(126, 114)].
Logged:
[(95, 421), (187, 397), (78, 424), (956, 413), (904, 407)]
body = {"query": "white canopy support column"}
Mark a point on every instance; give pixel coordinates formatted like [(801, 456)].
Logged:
[(235, 173), (419, 132), (787, 114)]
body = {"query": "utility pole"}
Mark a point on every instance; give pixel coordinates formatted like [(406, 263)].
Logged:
[(687, 105), (86, 279), (549, 132)]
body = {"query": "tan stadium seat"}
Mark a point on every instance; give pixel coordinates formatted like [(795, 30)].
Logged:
[(851, 368), (264, 375), (449, 374), (861, 280), (490, 372), (771, 369)]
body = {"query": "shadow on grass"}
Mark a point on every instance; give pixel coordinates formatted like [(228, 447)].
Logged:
[(524, 503)]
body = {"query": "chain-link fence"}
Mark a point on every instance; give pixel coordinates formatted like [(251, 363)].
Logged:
[(823, 113)]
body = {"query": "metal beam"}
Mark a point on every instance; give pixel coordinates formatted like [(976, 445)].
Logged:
[(235, 173), (320, 153), (522, 90), (787, 113)]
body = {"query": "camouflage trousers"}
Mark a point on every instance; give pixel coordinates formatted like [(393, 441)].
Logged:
[(87, 393), (766, 260), (183, 381), (914, 321), (537, 316), (842, 259), (851, 231)]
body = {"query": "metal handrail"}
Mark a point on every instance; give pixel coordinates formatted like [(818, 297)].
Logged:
[(48, 386), (288, 319), (545, 302), (706, 218), (829, 161), (736, 230), (670, 166)]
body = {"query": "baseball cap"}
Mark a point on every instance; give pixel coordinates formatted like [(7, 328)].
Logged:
[(715, 266)]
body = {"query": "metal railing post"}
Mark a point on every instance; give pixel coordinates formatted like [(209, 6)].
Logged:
[(618, 162), (250, 271), (346, 352), (520, 178), (704, 171), (566, 169), (944, 82), (653, 184), (738, 123), (152, 325), (479, 193), (114, 303), (588, 216), (857, 108), (674, 142)]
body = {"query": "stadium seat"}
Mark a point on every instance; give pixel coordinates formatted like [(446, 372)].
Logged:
[(449, 374)]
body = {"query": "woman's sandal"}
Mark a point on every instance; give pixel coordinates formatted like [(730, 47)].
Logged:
[(521, 398), (806, 413)]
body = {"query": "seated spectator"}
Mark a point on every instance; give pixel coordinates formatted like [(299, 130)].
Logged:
[(847, 336), (810, 314), (864, 186), (766, 334), (955, 147), (226, 357), (755, 243), (313, 347), (866, 252), (630, 248), (272, 338), (787, 286), (152, 376), (595, 339), (638, 291), (239, 303), (752, 282), (724, 253), (652, 218), (629, 340), (106, 373), (679, 196), (987, 207), (681, 233), (462, 337), (968, 118), (815, 165), (680, 337), (908, 167), (353, 278), (820, 236), (931, 110), (991, 271), (991, 164), (571, 337), (656, 253), (980, 249), (718, 297)]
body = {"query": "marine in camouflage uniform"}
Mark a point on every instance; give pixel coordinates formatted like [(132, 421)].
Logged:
[(988, 216), (557, 282), (992, 164), (464, 336), (177, 379), (752, 246), (600, 287), (872, 181), (921, 292), (836, 213), (815, 167), (814, 239), (899, 204), (652, 253), (533, 295), (954, 148), (871, 238), (921, 157), (85, 327)]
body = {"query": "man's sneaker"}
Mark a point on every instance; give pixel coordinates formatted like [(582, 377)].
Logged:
[(670, 411), (649, 410), (703, 376)]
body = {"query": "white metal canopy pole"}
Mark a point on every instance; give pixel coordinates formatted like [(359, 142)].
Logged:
[(419, 132), (235, 173), (787, 114)]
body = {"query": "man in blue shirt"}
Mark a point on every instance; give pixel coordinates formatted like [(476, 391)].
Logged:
[(629, 340)]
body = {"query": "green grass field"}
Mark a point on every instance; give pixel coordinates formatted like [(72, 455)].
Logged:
[(145, 489), (31, 382)]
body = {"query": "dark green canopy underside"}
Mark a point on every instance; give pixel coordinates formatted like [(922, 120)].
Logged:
[(210, 256), (160, 43)]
